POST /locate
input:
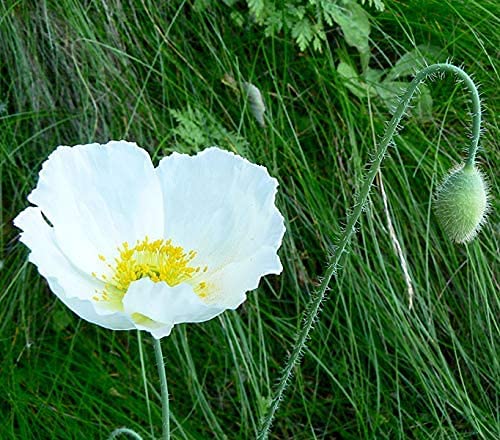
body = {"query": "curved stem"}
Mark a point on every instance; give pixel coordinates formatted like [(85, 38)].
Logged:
[(125, 431), (476, 113), (313, 308), (164, 391)]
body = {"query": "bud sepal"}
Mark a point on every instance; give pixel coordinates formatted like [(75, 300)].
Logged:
[(461, 203)]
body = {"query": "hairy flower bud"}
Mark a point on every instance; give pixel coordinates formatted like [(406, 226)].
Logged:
[(462, 202)]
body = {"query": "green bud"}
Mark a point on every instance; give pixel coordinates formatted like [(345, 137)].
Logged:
[(462, 202)]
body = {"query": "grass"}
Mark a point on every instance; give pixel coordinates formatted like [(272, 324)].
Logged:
[(76, 72)]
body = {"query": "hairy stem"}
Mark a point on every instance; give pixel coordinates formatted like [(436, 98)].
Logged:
[(314, 306), (164, 391)]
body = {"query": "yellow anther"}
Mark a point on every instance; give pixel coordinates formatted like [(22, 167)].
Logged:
[(158, 260)]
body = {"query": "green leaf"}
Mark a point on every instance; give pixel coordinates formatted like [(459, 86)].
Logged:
[(373, 76), (238, 18), (353, 82), (303, 33), (274, 24), (379, 5), (355, 24), (256, 7), (330, 11), (413, 61), (191, 129), (319, 38)]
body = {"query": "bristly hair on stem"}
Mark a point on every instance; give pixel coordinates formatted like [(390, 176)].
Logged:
[(313, 308)]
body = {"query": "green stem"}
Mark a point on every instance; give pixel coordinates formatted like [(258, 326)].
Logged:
[(314, 306), (125, 431), (164, 391), (145, 381)]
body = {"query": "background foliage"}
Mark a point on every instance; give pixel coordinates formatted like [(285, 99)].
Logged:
[(306, 20), (157, 73)]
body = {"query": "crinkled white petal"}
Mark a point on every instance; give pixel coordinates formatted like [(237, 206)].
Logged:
[(228, 286), (166, 306), (97, 197), (74, 287), (223, 207)]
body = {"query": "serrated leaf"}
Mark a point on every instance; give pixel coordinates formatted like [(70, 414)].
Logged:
[(330, 11), (303, 33), (256, 7), (298, 12), (379, 5), (274, 24), (191, 129), (318, 40)]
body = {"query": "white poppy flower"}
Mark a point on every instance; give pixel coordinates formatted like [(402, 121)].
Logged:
[(126, 245)]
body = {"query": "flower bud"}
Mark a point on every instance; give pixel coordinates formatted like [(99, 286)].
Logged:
[(462, 202)]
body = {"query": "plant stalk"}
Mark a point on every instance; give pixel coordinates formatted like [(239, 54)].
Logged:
[(314, 306), (165, 410)]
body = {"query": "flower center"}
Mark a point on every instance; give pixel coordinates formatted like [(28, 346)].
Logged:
[(157, 260)]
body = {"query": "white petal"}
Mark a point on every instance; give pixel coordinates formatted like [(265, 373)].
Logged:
[(223, 207), (71, 285), (228, 286), (157, 332), (97, 197), (166, 305)]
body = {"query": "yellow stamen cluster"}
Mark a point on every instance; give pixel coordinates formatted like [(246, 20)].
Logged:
[(157, 260)]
